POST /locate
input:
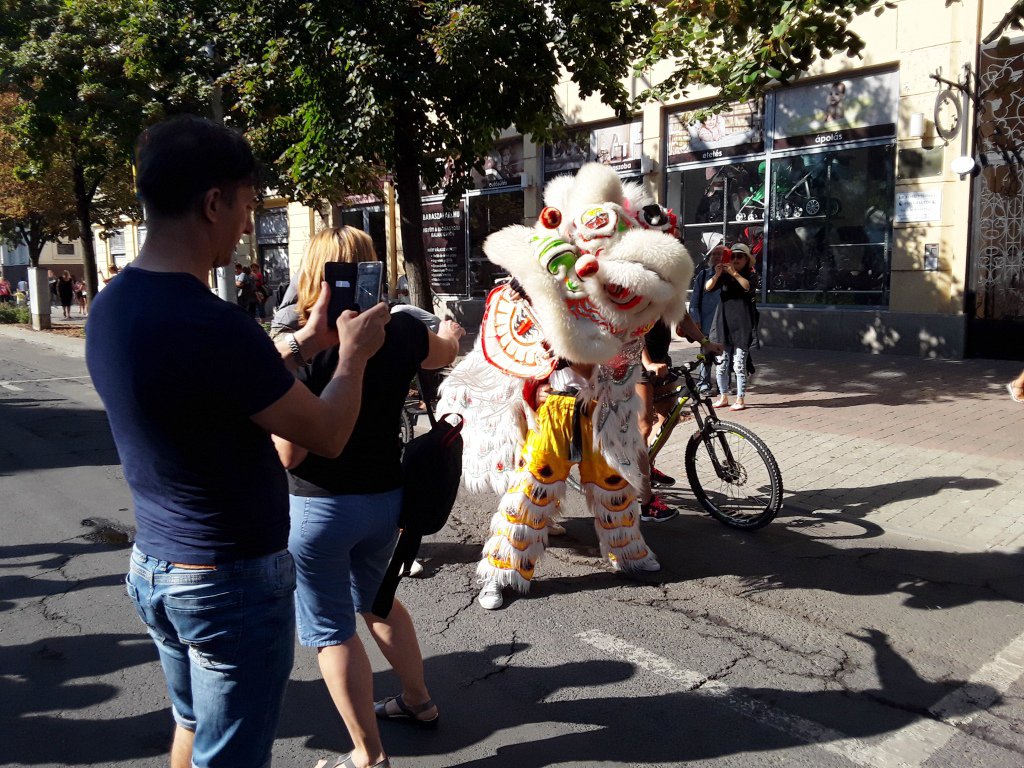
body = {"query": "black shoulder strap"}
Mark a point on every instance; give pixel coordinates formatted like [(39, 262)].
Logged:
[(425, 395)]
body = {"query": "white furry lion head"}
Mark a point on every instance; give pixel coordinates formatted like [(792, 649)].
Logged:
[(600, 266)]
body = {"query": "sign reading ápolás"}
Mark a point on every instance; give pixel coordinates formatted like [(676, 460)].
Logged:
[(836, 111)]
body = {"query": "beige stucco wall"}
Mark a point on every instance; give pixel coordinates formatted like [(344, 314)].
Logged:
[(919, 37)]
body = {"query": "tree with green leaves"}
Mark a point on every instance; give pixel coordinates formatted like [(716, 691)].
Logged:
[(340, 94), (36, 204), (80, 106), (739, 47)]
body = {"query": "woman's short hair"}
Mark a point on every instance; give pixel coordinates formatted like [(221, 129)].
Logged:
[(178, 161), (346, 244)]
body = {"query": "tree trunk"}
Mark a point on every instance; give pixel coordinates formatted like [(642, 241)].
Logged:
[(83, 206), (407, 182)]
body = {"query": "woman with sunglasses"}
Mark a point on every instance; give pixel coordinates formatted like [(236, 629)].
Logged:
[(733, 327)]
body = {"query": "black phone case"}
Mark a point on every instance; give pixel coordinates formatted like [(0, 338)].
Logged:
[(341, 278)]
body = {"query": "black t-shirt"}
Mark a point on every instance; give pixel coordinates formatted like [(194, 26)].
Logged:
[(179, 389), (371, 461), (657, 340)]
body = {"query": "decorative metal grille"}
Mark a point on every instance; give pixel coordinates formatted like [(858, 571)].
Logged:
[(998, 237)]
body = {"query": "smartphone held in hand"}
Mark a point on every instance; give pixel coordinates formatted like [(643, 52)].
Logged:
[(341, 278), (369, 284), (726, 256)]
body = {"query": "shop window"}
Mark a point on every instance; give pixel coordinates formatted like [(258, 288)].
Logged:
[(830, 235), (373, 221), (118, 252), (487, 214), (727, 199), (272, 244)]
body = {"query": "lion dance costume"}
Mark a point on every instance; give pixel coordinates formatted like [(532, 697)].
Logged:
[(600, 266)]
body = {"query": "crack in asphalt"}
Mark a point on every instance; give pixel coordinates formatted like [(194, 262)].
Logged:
[(500, 666)]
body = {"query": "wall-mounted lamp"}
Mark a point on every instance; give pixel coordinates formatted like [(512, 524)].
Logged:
[(918, 125), (525, 182)]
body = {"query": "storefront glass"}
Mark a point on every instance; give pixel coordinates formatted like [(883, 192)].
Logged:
[(830, 238), (487, 214), (272, 242), (814, 199)]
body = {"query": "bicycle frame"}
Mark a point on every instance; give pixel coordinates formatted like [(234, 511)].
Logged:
[(687, 396)]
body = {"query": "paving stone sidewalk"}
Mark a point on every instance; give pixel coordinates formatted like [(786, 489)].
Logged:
[(929, 448)]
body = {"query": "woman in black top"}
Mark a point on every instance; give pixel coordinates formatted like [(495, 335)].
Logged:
[(344, 513), (734, 320), (66, 292)]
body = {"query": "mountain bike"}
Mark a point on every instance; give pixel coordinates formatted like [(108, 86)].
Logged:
[(732, 473)]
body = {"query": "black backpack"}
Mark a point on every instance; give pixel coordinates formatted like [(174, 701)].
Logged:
[(431, 474)]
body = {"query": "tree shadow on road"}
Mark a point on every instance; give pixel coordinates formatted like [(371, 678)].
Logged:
[(37, 560), (48, 434), (860, 502), (44, 682), (815, 554), (482, 694)]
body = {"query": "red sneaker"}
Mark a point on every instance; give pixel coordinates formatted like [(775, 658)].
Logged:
[(660, 479), (657, 511)]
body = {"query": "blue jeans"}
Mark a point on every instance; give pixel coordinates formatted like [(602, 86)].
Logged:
[(737, 358), (342, 546), (226, 639)]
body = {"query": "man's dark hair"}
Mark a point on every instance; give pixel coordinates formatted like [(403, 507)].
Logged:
[(181, 159)]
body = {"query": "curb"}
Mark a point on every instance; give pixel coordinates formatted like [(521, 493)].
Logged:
[(66, 345)]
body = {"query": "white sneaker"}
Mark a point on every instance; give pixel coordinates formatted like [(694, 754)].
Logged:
[(490, 596), (649, 564), (414, 570)]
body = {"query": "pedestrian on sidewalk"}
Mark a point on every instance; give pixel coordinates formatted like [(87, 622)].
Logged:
[(5, 291), (1016, 388), (733, 326), (66, 292), (704, 303), (81, 297), (192, 405), (345, 510)]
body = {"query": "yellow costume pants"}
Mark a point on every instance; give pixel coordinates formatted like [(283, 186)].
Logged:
[(518, 533)]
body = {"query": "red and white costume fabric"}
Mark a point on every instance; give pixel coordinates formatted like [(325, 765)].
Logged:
[(602, 264)]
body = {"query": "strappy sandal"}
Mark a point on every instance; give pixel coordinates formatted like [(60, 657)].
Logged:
[(1012, 389), (346, 761), (406, 713)]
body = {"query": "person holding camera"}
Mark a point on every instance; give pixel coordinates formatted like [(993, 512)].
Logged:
[(192, 405), (733, 326), (345, 509)]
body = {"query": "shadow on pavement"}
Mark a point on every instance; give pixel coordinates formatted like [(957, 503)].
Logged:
[(480, 697), (858, 502), (42, 684), (880, 380), (791, 554), (47, 434), (36, 560)]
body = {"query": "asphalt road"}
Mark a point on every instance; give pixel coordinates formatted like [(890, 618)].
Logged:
[(819, 641)]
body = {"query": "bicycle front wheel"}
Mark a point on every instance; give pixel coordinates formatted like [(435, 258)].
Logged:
[(734, 476)]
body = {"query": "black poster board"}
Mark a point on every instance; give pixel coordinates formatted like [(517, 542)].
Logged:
[(444, 240)]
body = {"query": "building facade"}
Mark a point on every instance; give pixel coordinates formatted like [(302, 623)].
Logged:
[(882, 195)]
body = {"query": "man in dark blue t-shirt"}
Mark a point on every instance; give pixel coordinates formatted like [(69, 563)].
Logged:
[(193, 389)]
